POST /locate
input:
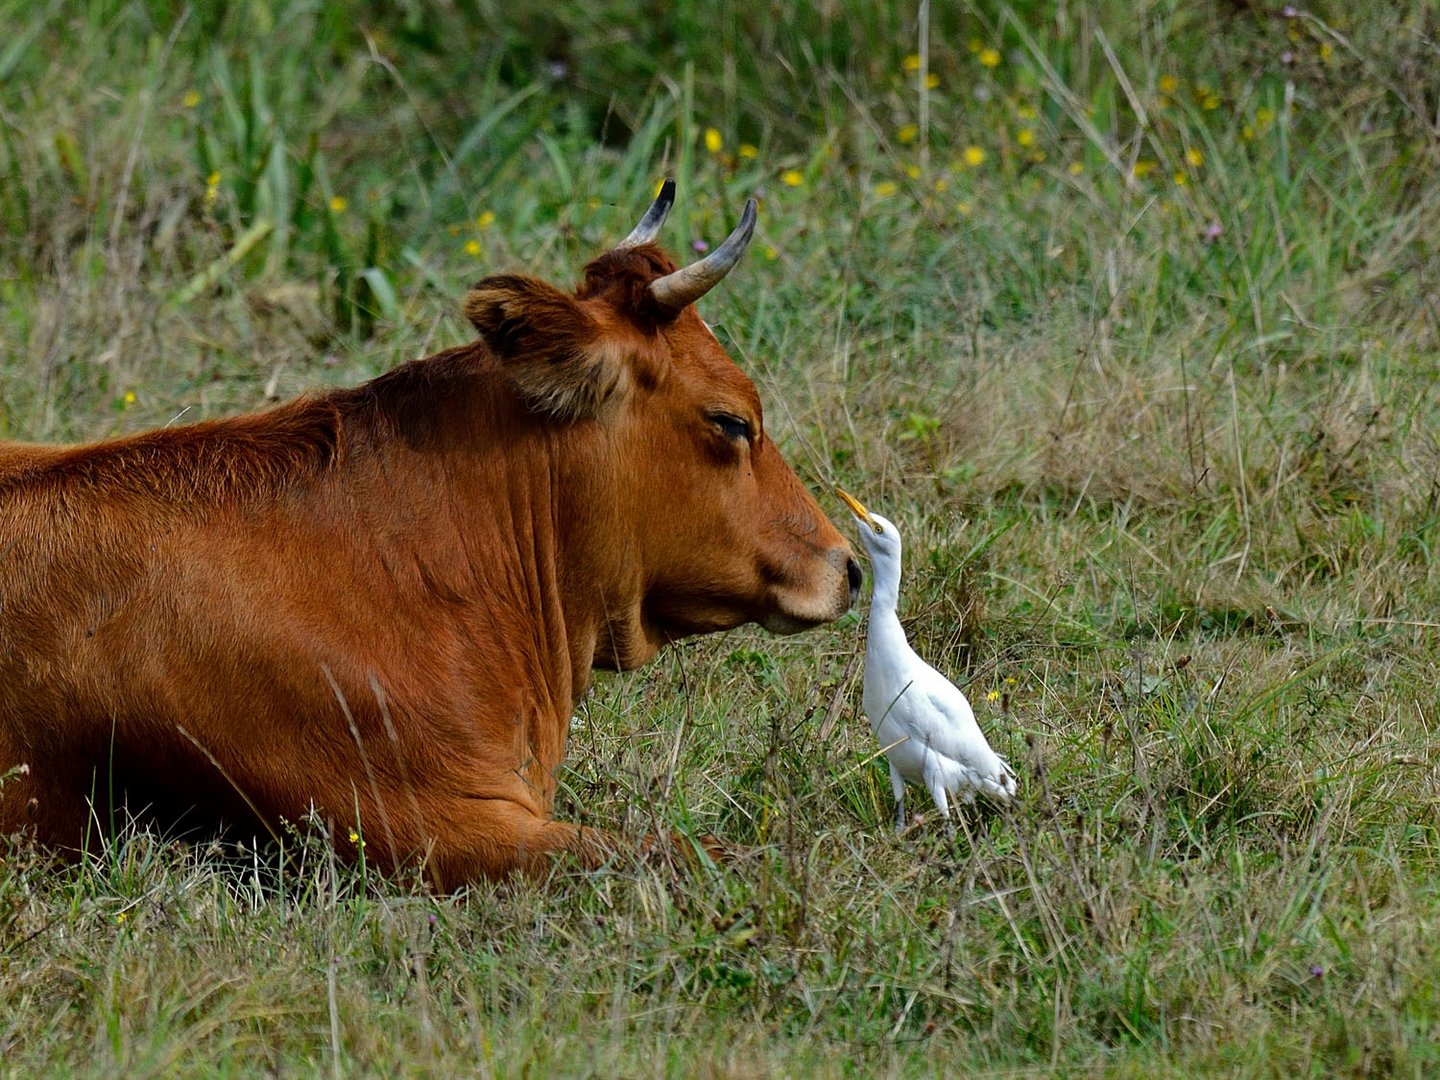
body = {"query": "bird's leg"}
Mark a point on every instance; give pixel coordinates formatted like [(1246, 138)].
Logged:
[(897, 785)]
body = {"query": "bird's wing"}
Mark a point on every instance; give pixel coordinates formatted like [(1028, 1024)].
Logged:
[(937, 714)]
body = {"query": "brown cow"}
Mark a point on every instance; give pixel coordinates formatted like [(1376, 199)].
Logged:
[(385, 602)]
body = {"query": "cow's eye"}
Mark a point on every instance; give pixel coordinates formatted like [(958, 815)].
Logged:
[(732, 427)]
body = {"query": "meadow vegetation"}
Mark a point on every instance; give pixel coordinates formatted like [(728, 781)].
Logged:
[(1126, 312)]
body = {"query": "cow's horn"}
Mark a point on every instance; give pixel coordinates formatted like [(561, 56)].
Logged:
[(654, 219), (685, 286)]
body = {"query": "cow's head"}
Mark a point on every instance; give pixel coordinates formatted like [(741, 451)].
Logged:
[(666, 444)]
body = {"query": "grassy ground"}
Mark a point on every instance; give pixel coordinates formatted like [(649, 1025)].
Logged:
[(1126, 313)]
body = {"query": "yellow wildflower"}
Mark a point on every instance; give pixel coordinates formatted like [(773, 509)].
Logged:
[(964, 207), (1026, 112), (338, 204), (907, 133), (1168, 84), (191, 99), (993, 696), (931, 80), (942, 184), (213, 180), (485, 220), (792, 178), (745, 150), (1247, 133), (974, 156), (472, 247), (1075, 168), (130, 398), (912, 171), (911, 62), (886, 188), (1143, 169), (769, 252), (1025, 137), (713, 141), (1194, 156), (1180, 178), (1210, 102), (1326, 50), (990, 57), (1264, 117), (120, 919)]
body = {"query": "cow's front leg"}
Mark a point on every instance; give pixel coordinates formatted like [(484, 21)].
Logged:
[(498, 838), (505, 839)]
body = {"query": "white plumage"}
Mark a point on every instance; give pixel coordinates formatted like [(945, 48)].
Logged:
[(922, 720)]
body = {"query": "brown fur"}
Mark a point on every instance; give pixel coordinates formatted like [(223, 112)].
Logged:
[(387, 600)]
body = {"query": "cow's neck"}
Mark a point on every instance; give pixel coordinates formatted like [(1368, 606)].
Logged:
[(604, 577), (463, 505), (522, 517)]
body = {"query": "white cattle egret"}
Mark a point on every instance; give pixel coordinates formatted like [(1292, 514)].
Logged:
[(923, 722)]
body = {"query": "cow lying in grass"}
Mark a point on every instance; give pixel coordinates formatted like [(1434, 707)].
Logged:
[(384, 603)]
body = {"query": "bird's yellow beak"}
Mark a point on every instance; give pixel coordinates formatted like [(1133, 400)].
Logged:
[(856, 507)]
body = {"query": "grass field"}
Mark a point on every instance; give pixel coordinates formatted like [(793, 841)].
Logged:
[(1126, 313)]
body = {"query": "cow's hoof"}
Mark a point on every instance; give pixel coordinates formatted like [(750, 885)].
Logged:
[(724, 852)]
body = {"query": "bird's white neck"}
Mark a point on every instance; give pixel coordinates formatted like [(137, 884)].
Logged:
[(885, 592)]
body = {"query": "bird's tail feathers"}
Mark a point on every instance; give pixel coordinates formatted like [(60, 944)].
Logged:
[(1003, 784)]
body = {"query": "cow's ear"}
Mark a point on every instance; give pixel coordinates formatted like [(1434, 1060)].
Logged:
[(552, 350)]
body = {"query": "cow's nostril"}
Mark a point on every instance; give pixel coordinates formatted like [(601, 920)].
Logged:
[(852, 572)]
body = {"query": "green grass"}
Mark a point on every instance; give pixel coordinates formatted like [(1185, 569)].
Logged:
[(1134, 334)]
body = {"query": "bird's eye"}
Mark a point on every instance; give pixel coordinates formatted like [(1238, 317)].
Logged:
[(732, 427), (879, 529)]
